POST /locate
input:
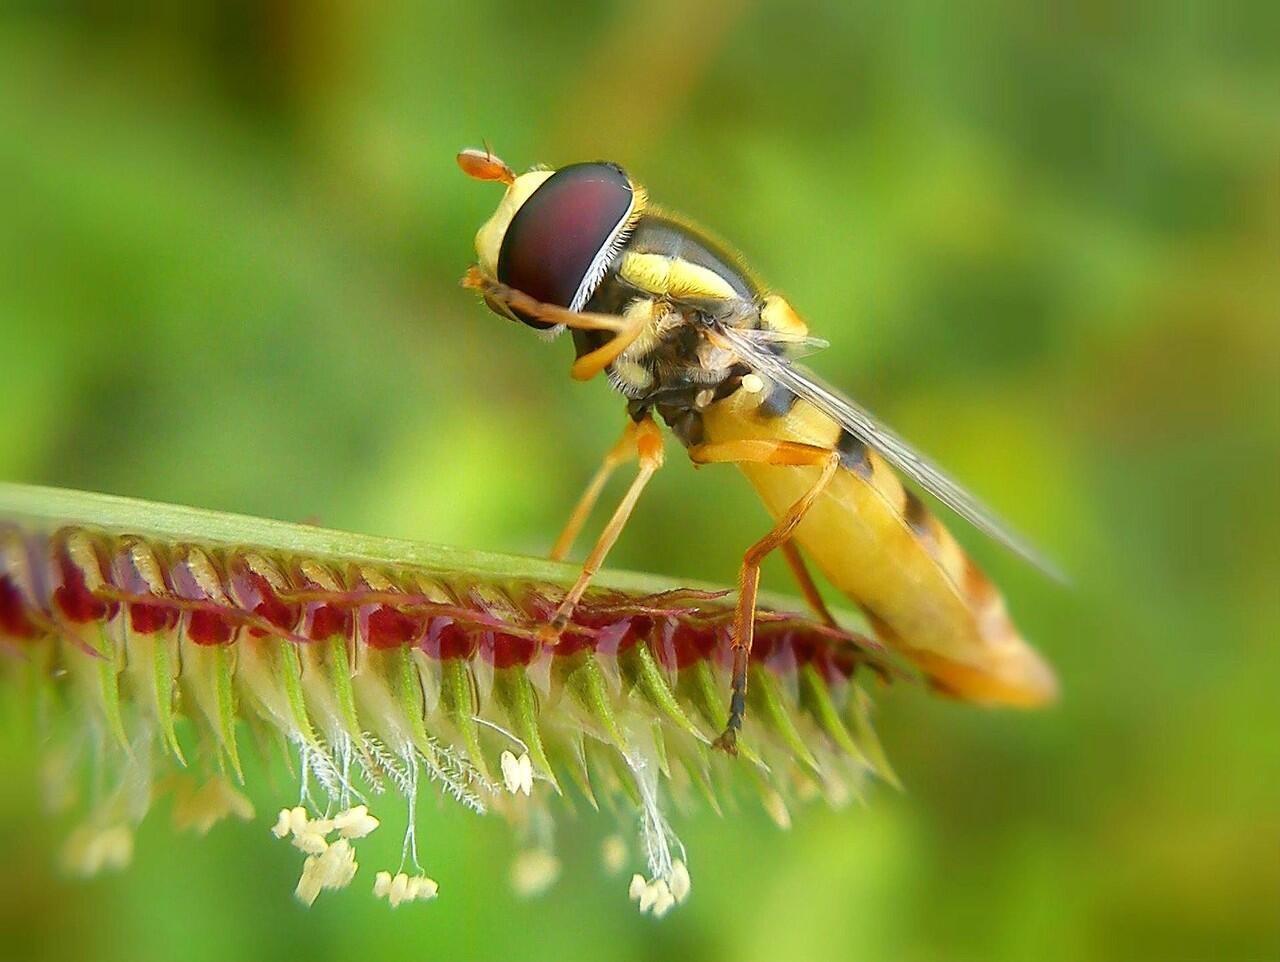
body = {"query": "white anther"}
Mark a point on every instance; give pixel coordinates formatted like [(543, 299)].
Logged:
[(663, 901), (680, 881), (399, 889), (534, 871), (202, 807), (281, 827), (752, 384), (297, 820), (328, 866), (402, 888), (310, 883), (656, 896), (355, 822), (313, 843), (517, 773), (320, 826), (614, 854), (510, 772), (90, 849), (635, 891), (339, 864), (422, 888)]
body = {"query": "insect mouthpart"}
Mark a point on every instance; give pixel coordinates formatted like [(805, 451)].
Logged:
[(501, 309)]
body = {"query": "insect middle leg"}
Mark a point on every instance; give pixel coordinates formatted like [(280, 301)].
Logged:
[(618, 455), (648, 448), (762, 452)]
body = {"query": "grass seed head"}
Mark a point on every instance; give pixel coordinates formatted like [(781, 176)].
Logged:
[(391, 675)]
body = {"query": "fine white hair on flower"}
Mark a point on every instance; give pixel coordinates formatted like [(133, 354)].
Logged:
[(668, 881), (459, 776), (656, 835)]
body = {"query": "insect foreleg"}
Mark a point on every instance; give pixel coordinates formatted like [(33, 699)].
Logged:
[(619, 454), (638, 317), (648, 446), (625, 329), (763, 452), (550, 313)]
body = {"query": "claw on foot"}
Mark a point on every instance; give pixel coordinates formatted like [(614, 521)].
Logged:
[(727, 742)]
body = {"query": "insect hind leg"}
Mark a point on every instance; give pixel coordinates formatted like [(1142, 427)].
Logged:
[(804, 580), (763, 452)]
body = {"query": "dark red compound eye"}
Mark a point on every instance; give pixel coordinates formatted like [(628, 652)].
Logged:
[(555, 238)]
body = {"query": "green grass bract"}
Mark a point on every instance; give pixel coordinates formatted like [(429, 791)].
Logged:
[(156, 644)]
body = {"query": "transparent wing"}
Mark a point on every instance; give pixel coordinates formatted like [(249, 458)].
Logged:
[(791, 345), (862, 424)]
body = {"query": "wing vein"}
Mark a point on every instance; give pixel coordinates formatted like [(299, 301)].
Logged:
[(888, 443)]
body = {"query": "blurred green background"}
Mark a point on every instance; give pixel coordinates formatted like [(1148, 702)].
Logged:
[(1044, 244)]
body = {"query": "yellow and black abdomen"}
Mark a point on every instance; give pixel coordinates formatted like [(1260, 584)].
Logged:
[(877, 543)]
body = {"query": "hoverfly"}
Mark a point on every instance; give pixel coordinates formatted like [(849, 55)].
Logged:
[(684, 331)]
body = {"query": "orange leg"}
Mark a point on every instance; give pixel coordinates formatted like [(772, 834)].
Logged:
[(648, 447), (592, 363), (551, 313), (625, 329), (763, 452), (619, 454)]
